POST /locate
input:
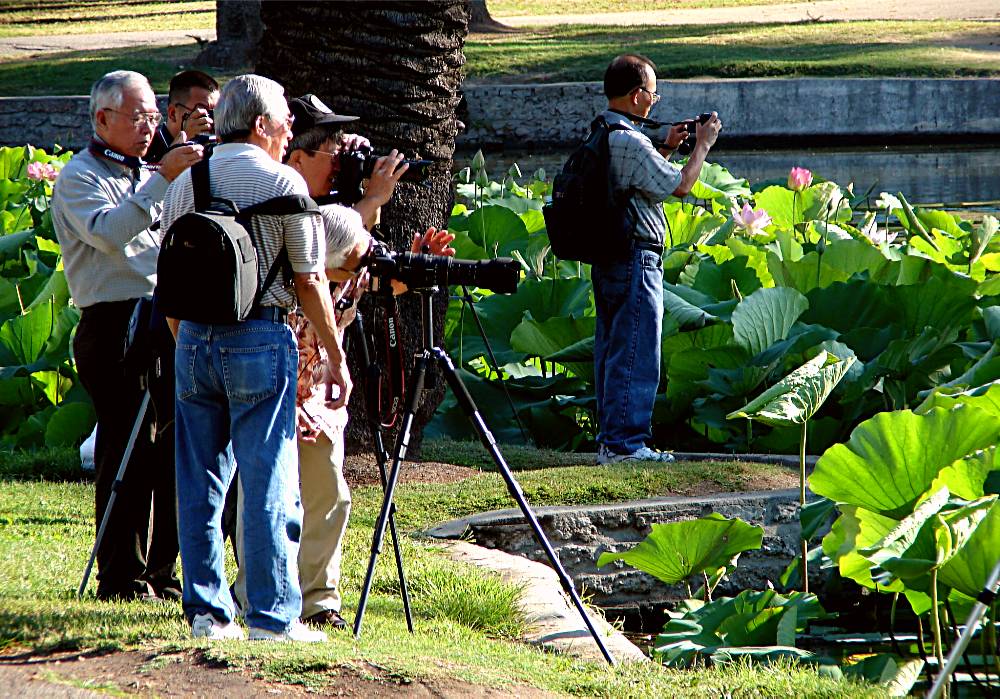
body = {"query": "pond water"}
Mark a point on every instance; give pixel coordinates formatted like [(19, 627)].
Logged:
[(925, 174)]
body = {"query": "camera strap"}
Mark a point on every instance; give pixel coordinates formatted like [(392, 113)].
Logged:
[(106, 152), (390, 388)]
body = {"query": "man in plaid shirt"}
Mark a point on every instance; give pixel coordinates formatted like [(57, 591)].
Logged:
[(628, 291)]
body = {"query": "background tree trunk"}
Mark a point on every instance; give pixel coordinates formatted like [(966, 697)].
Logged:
[(397, 65), (480, 19), (238, 31)]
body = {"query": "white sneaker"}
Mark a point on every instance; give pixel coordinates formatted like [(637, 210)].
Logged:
[(606, 456), (297, 632), (207, 626)]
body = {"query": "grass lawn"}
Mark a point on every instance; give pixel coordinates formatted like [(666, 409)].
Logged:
[(465, 621), (849, 49), (25, 18), (569, 53)]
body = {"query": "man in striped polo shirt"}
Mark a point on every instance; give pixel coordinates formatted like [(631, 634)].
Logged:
[(236, 383)]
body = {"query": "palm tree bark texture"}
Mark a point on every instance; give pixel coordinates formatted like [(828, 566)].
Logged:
[(397, 65)]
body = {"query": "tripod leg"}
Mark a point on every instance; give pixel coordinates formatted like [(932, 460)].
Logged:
[(373, 373), (486, 437), (402, 443), (114, 491)]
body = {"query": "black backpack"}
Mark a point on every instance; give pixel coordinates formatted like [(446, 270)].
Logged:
[(587, 220), (207, 267)]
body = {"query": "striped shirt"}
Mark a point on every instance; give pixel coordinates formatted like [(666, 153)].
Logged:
[(636, 164), (247, 175), (101, 212)]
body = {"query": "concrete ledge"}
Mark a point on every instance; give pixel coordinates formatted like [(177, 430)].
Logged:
[(554, 623), (768, 111)]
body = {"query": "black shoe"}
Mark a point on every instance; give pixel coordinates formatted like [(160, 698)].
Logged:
[(325, 618)]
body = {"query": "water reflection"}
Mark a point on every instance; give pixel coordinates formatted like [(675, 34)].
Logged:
[(924, 174)]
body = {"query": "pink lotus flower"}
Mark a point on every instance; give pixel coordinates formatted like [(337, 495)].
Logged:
[(753, 221), (799, 178), (42, 171)]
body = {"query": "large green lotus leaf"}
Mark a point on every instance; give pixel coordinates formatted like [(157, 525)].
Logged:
[(857, 528), (70, 424), (53, 384), (842, 260), (674, 551), (945, 304), (892, 458), (10, 245), (716, 182), (56, 290), (689, 367), (766, 316), (726, 280), (497, 230), (57, 348), (12, 162), (687, 223), (580, 351), (870, 304), (25, 335), (16, 391), (797, 397), (10, 305), (501, 313), (896, 675), (954, 529), (966, 477), (969, 569), (907, 551), (756, 258), (686, 314), (554, 335), (986, 397)]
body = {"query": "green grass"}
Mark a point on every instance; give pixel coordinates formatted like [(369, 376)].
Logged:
[(464, 620), (25, 18), (513, 8), (73, 72), (855, 49)]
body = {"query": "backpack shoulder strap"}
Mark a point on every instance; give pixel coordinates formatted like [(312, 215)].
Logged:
[(201, 184)]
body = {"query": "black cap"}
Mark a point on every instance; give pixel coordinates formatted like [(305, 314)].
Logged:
[(309, 111)]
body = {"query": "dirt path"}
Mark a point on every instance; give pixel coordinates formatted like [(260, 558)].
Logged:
[(23, 46), (188, 674)]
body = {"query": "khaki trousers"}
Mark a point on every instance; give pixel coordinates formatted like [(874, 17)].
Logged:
[(326, 506)]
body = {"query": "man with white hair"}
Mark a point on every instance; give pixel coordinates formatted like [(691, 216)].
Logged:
[(104, 202), (236, 383)]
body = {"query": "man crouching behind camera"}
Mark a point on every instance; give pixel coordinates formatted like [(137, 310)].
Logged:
[(326, 499), (236, 383)]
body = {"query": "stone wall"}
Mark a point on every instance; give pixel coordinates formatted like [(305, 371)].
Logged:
[(580, 534), (811, 109)]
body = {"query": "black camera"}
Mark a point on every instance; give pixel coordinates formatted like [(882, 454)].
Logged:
[(421, 271), (357, 165), (658, 132)]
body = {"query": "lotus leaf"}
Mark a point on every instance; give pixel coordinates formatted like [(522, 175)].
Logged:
[(674, 551), (968, 569), (892, 458), (766, 316)]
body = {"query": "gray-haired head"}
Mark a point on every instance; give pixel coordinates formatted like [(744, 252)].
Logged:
[(109, 91), (242, 100), (344, 232)]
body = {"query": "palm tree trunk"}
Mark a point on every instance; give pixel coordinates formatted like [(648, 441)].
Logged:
[(397, 65)]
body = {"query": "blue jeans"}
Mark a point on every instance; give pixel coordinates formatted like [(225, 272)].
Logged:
[(236, 390), (629, 299)]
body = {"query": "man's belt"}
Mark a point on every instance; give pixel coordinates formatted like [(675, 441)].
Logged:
[(645, 245), (275, 314)]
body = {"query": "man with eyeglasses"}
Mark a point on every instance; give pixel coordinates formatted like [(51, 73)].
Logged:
[(236, 384), (103, 205), (628, 289), (191, 101)]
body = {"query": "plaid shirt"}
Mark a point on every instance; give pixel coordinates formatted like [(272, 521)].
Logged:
[(636, 164), (314, 388)]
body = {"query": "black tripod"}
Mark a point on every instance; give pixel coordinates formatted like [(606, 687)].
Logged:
[(429, 357), (372, 380)]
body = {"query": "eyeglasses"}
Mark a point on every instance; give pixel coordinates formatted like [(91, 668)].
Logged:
[(335, 156), (655, 96), (139, 118), (200, 105)]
